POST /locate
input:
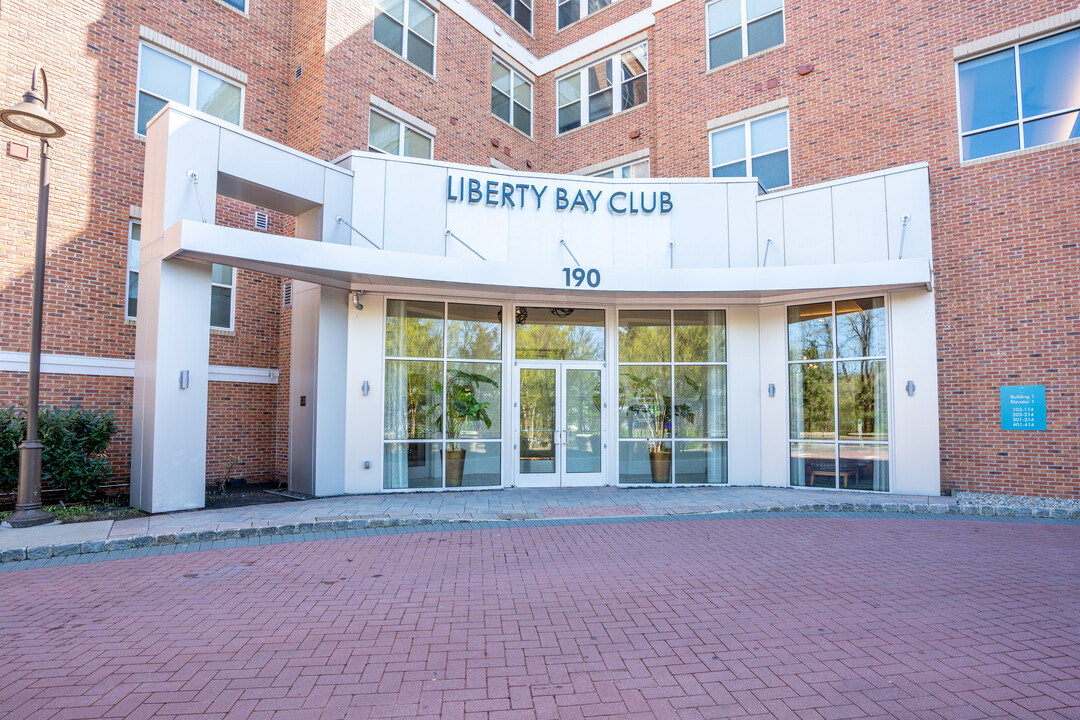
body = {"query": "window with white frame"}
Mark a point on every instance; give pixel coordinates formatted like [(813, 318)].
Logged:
[(511, 96), (392, 137), (131, 296), (570, 11), (222, 285), (240, 5), (164, 77), (737, 28), (757, 148), (520, 10), (636, 169), (407, 28), (1020, 97), (610, 86), (222, 296)]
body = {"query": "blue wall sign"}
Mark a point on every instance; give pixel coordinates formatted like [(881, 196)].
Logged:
[(1023, 407), (494, 193)]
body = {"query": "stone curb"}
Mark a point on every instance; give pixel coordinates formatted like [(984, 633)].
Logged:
[(42, 552)]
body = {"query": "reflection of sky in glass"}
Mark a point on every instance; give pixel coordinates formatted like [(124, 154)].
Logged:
[(1050, 74), (1052, 129), (991, 142), (988, 91)]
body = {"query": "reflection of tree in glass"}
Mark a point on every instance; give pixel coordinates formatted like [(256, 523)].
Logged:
[(560, 342), (859, 397), (424, 406), (817, 392), (473, 340)]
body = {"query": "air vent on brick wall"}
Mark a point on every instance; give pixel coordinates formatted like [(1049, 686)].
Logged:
[(297, 72), (286, 294), (262, 221)]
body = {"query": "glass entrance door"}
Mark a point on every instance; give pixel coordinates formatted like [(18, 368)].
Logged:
[(560, 434)]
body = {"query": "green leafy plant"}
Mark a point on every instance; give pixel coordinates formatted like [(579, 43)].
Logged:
[(73, 459), (653, 408), (462, 405)]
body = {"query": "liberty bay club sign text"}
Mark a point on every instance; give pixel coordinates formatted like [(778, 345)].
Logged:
[(493, 193)]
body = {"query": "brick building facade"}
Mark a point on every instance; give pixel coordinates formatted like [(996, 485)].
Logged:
[(862, 89)]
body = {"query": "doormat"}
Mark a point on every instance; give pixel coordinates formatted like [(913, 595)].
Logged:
[(597, 511)]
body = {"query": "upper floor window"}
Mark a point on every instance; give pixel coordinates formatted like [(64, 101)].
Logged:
[(758, 148), (738, 28), (240, 5), (389, 136), (1024, 96), (164, 77), (407, 27), (511, 96), (638, 169), (612, 85), (520, 10), (570, 11), (131, 297)]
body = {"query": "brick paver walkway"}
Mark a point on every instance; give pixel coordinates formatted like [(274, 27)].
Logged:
[(810, 617)]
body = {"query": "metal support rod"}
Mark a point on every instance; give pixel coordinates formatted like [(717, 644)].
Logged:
[(194, 176), (904, 219), (671, 254), (343, 221), (448, 233), (572, 255), (768, 244)]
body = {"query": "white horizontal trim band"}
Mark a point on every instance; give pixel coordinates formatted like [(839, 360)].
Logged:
[(13, 361)]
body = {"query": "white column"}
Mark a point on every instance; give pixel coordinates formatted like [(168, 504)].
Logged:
[(172, 335), (744, 396), (774, 410)]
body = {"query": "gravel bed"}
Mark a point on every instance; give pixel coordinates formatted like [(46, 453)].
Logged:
[(994, 499)]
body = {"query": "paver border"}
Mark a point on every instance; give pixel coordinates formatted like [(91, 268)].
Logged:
[(361, 526)]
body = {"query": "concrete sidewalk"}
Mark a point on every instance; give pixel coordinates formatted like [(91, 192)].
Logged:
[(360, 511)]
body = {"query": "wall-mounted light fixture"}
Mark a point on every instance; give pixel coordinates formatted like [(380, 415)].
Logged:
[(910, 387), (356, 295), (365, 388), (185, 379), (772, 389)]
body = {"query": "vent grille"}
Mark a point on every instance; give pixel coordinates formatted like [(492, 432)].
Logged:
[(262, 221), (286, 294), (298, 71)]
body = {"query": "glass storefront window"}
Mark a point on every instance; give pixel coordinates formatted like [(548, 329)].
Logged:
[(838, 408), (672, 413), (544, 333), (449, 399)]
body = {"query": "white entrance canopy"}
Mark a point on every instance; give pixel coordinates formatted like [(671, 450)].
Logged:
[(377, 223)]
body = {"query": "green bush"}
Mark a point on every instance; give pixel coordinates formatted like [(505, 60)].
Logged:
[(73, 459)]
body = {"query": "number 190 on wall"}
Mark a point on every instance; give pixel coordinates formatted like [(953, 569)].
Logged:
[(576, 276)]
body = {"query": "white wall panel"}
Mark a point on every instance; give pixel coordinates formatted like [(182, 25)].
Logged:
[(770, 224), (697, 225), (415, 208), (808, 228), (908, 192), (369, 198), (774, 410), (261, 163), (742, 224), (859, 230), (744, 390)]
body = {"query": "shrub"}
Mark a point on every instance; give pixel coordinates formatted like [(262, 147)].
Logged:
[(75, 441)]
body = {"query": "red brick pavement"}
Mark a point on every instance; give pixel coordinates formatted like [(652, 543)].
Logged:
[(772, 617)]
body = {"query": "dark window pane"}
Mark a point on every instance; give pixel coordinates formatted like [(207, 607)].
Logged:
[(569, 117), (992, 142), (1052, 129), (388, 32), (474, 464), (987, 91), (813, 465), (595, 5), (523, 14), (522, 119), (569, 12), (221, 307), (500, 104), (412, 465), (644, 462), (1050, 73), (772, 170), (764, 33), (635, 92), (725, 48), (133, 294), (599, 105), (864, 467), (737, 169), (507, 6), (148, 108), (599, 76), (700, 462), (421, 53)]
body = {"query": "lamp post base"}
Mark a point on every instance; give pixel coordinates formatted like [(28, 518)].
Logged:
[(28, 512)]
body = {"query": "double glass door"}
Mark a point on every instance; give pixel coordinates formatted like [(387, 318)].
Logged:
[(560, 408)]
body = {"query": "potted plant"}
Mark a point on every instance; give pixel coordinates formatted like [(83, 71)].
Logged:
[(462, 406), (652, 405)]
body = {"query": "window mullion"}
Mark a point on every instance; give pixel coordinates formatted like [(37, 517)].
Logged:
[(743, 28), (1019, 96), (193, 89)]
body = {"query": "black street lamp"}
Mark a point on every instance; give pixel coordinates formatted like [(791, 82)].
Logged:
[(32, 116)]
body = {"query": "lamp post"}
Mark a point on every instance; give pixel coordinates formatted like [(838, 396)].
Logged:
[(32, 116)]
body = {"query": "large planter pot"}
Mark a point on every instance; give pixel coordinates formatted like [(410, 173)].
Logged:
[(455, 467), (660, 464)]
